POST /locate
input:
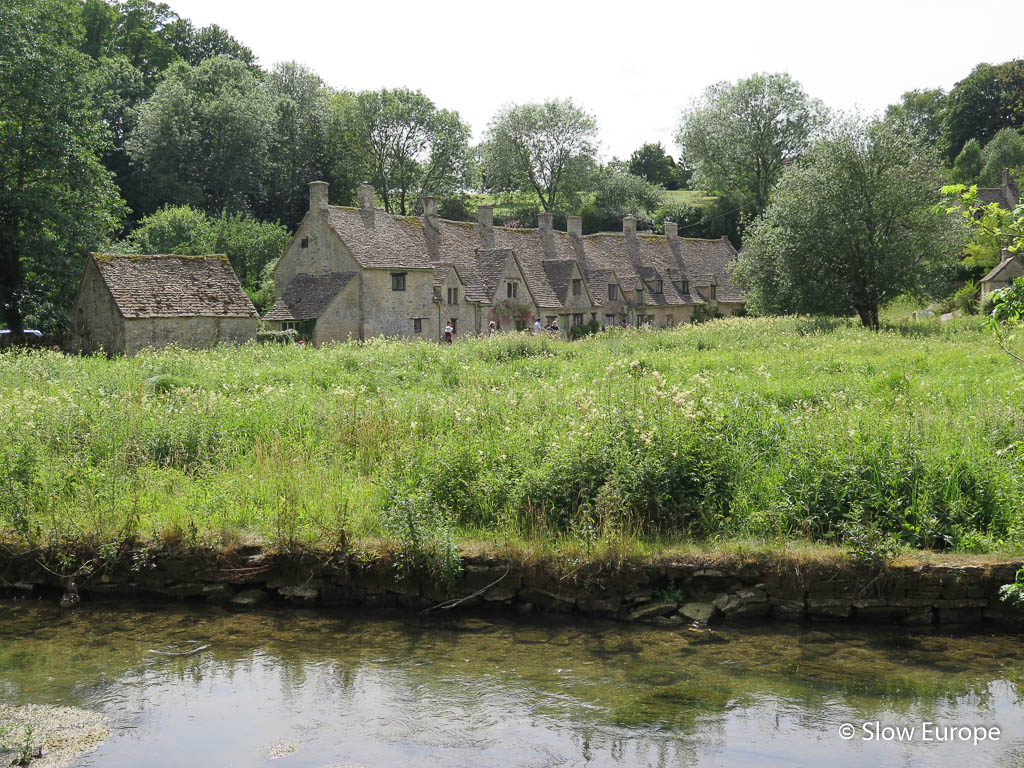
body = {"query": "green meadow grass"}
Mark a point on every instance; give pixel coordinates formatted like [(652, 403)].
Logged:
[(788, 432)]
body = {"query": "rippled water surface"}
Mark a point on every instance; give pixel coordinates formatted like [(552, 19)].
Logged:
[(299, 689)]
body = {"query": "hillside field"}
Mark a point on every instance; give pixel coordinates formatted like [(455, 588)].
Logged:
[(777, 431)]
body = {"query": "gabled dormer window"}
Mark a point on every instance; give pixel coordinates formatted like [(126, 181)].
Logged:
[(613, 291), (714, 292), (658, 286), (640, 296), (577, 287), (684, 286)]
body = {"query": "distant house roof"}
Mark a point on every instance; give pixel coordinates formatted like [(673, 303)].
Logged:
[(1006, 195), (308, 296), (173, 286)]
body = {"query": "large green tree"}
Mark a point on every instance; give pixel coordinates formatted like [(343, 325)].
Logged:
[(405, 145), (547, 149), (924, 109), (851, 225), (203, 137), (1004, 151), (651, 163), (989, 98), (56, 199), (739, 137), (299, 151)]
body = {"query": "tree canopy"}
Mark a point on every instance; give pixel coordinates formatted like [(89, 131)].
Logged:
[(851, 225), (405, 144), (989, 98), (203, 137), (739, 137), (545, 149), (654, 165), (56, 199)]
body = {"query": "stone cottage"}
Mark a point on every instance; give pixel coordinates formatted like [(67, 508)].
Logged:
[(1005, 272), (126, 303), (361, 272)]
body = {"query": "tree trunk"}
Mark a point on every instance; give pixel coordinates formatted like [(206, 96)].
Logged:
[(11, 276), (868, 315)]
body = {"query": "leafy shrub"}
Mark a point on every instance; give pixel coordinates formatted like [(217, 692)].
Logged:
[(966, 298), (291, 336)]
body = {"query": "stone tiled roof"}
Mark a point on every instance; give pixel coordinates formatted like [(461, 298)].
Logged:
[(998, 269), (173, 286), (559, 275), (545, 258), (1006, 196), (375, 239), (308, 296)]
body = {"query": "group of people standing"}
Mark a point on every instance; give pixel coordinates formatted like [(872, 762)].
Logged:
[(492, 328)]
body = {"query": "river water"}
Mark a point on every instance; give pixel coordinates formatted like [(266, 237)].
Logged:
[(205, 687)]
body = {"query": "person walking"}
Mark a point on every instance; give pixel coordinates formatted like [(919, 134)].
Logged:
[(492, 328), (449, 329), (538, 329)]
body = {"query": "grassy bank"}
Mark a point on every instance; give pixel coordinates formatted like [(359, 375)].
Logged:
[(767, 431)]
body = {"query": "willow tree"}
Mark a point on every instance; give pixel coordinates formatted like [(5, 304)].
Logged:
[(851, 225)]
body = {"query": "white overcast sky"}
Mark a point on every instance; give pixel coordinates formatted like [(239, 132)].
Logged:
[(635, 65)]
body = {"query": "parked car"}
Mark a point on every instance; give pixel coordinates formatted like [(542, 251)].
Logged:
[(24, 332)]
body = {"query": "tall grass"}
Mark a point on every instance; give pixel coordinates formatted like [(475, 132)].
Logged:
[(777, 429)]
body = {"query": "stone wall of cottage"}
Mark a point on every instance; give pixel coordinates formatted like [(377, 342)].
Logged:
[(95, 319), (342, 319), (187, 332), (390, 313), (322, 254), (461, 311)]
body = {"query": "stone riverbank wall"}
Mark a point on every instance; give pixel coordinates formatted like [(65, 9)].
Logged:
[(671, 593)]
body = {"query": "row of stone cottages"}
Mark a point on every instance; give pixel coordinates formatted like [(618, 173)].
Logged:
[(361, 272)]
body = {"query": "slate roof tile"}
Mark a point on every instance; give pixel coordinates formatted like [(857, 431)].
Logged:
[(173, 286), (308, 296)]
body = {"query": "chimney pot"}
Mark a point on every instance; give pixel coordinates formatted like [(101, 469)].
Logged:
[(317, 195), (574, 225), (628, 225), (671, 230)]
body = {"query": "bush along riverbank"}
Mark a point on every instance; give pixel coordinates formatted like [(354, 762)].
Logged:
[(773, 430), (705, 589)]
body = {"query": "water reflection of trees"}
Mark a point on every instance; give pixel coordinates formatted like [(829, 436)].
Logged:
[(626, 694)]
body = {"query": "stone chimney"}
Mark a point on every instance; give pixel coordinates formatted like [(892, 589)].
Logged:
[(364, 193), (485, 218), (628, 225), (317, 195), (1006, 177), (671, 230), (1006, 255), (574, 225), (544, 221), (430, 206)]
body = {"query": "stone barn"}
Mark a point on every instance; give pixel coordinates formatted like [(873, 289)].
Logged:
[(127, 303)]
